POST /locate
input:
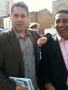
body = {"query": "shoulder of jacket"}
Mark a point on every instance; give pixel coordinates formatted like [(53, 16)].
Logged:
[(5, 34)]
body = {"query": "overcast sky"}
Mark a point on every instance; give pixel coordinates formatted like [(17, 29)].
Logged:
[(36, 5)]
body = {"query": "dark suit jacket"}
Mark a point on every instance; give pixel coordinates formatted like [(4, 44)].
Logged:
[(52, 67), (11, 63)]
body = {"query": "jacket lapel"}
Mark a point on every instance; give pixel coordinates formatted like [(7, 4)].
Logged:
[(59, 53), (15, 43), (16, 48)]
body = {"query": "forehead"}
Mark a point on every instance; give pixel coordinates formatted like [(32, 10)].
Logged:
[(61, 16), (19, 10)]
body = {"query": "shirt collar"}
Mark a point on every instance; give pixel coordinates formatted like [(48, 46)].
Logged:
[(27, 33), (60, 39)]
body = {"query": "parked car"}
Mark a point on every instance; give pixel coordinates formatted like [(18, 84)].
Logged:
[(2, 30)]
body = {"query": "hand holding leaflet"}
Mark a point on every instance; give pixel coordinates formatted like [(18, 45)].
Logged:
[(24, 82)]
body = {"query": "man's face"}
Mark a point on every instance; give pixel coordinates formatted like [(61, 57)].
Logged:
[(19, 18), (61, 24)]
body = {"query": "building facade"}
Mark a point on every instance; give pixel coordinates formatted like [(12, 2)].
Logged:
[(59, 5), (5, 7), (43, 17)]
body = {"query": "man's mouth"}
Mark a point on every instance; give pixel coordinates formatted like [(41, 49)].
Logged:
[(61, 29), (19, 24)]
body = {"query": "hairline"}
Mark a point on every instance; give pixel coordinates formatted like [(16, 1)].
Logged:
[(61, 11), (20, 4)]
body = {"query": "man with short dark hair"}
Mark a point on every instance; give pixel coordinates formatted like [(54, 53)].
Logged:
[(18, 50), (53, 69)]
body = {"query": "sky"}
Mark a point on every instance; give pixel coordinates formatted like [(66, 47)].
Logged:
[(36, 5)]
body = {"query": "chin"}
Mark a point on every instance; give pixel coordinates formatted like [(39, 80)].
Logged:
[(65, 37)]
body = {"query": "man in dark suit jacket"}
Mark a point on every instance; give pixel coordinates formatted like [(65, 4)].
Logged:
[(54, 57), (11, 49)]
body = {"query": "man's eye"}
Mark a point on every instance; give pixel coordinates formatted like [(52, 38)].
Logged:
[(23, 15), (15, 15), (65, 21), (58, 21)]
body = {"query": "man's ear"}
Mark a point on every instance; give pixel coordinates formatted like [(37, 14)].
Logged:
[(52, 25)]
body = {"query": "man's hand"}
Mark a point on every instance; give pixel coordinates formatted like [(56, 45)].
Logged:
[(49, 87), (20, 88), (41, 41)]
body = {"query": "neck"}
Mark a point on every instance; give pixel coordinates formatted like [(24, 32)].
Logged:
[(22, 34)]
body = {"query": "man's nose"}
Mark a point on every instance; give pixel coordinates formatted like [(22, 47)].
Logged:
[(61, 23), (19, 18)]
